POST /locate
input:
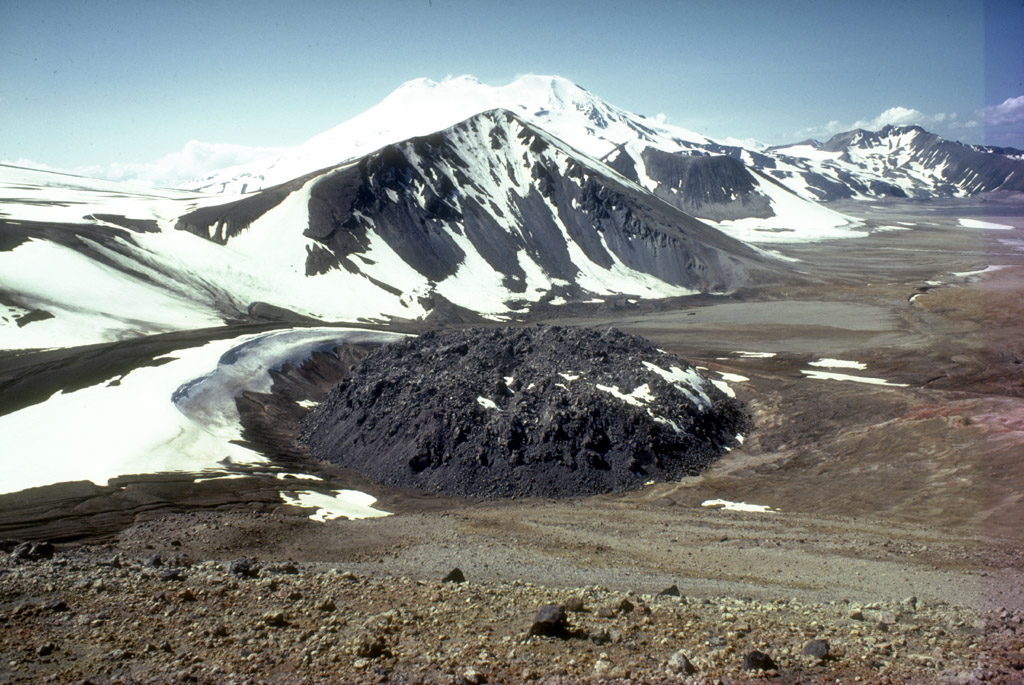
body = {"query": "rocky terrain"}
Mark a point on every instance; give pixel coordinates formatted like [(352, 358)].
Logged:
[(501, 412), (123, 613)]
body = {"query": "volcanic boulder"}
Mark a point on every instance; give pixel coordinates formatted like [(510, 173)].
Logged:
[(545, 411)]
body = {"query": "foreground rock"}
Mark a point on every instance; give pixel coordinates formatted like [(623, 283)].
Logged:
[(121, 624), (544, 411)]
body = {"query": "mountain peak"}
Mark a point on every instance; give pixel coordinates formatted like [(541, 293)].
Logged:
[(556, 87), (527, 90), (448, 82), (422, 106), (898, 130)]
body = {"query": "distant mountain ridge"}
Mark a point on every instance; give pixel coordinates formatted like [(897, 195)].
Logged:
[(896, 161)]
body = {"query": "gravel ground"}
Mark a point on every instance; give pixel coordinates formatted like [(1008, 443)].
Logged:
[(100, 614)]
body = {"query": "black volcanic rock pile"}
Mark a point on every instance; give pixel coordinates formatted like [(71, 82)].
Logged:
[(508, 412)]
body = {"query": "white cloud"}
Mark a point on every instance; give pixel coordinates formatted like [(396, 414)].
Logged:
[(28, 163), (1009, 111), (822, 131), (195, 160), (895, 116), (943, 123), (1003, 123)]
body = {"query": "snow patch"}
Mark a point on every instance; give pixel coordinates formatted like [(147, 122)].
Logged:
[(724, 387), (839, 364), (796, 220), (640, 396), (738, 506), (987, 269), (486, 403), (687, 382), (975, 223), (732, 377), (350, 504), (299, 476), (826, 375)]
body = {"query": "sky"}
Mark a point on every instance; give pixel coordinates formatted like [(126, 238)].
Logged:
[(161, 92)]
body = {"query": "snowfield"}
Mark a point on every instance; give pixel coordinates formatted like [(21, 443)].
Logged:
[(986, 225), (179, 416), (796, 220)]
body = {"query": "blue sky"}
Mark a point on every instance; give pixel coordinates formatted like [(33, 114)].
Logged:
[(111, 87)]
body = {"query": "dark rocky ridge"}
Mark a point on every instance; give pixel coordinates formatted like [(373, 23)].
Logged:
[(713, 187), (421, 195), (220, 223), (522, 411)]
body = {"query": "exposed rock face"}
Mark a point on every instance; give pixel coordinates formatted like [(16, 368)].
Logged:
[(496, 192), (714, 187), (495, 186), (530, 411)]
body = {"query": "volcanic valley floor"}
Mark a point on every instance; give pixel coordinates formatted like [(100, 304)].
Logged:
[(886, 463)]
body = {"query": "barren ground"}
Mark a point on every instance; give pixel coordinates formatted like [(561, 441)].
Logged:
[(880, 493)]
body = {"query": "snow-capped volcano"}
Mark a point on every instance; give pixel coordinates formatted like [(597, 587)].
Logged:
[(574, 115), (423, 106)]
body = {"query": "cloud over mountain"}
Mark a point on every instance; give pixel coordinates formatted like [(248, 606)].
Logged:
[(1004, 123), (947, 124), (195, 158), (1009, 111)]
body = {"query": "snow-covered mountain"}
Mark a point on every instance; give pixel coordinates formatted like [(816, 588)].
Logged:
[(494, 210), (739, 195), (488, 217), (422, 106), (574, 115), (723, 191), (897, 161)]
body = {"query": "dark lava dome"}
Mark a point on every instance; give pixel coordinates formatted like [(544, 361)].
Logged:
[(512, 412)]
